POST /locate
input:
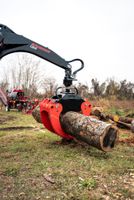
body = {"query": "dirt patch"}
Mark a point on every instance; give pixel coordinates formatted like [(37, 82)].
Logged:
[(128, 141), (13, 128), (6, 119), (126, 137)]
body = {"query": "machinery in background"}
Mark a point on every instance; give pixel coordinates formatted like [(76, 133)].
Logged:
[(16, 99), (3, 99)]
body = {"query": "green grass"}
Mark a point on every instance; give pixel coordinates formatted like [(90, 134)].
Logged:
[(116, 111), (28, 156)]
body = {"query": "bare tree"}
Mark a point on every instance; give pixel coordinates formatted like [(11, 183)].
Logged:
[(83, 90), (112, 88), (98, 89), (49, 86), (4, 85), (24, 73), (126, 90)]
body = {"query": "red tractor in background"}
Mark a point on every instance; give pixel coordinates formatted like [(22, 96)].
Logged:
[(16, 99)]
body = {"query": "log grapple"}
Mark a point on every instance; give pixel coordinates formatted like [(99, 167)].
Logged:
[(52, 109), (68, 99), (66, 113)]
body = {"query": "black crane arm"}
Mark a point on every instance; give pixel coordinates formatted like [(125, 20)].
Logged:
[(11, 42)]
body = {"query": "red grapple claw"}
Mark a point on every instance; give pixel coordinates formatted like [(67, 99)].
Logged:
[(86, 108), (50, 112)]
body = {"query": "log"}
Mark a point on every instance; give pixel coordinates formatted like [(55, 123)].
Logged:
[(127, 126), (92, 131), (97, 112), (123, 125), (131, 115), (132, 126), (87, 129), (121, 122), (121, 119), (36, 114)]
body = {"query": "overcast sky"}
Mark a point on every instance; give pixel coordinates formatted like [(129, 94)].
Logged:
[(101, 32)]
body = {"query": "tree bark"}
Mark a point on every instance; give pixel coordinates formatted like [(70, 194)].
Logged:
[(36, 114), (90, 130), (87, 129)]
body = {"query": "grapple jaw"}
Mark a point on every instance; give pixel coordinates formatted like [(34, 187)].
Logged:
[(51, 111)]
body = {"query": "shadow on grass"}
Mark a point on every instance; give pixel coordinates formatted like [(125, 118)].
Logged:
[(81, 148)]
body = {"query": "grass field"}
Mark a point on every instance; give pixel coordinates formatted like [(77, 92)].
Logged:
[(34, 166)]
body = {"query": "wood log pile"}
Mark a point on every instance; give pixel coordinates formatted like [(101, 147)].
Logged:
[(120, 122)]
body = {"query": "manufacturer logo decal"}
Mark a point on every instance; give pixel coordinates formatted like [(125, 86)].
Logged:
[(36, 46)]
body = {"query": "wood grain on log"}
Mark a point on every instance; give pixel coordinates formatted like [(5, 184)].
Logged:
[(90, 130)]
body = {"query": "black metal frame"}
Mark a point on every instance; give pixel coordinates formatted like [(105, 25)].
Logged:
[(11, 42)]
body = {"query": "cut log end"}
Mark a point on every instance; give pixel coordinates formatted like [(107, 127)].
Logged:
[(109, 139)]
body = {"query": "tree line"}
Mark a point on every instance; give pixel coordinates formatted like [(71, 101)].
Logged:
[(108, 89), (25, 74)]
